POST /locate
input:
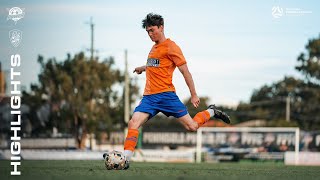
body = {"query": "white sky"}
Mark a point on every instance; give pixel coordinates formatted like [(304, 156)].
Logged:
[(232, 47)]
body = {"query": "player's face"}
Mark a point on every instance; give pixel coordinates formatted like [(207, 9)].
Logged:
[(155, 33)]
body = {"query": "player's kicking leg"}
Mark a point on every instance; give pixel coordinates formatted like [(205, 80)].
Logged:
[(192, 124)]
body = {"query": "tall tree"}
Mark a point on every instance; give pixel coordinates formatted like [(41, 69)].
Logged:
[(82, 94), (309, 62), (269, 101)]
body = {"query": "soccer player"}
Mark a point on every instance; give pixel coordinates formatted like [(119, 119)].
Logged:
[(159, 93)]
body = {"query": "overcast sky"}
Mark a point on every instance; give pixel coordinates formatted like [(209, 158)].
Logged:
[(232, 47)]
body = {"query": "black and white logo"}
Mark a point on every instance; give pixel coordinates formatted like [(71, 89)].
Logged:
[(15, 37), (15, 14), (152, 62)]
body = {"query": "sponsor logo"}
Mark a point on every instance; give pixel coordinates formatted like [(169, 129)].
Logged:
[(278, 12), (152, 62)]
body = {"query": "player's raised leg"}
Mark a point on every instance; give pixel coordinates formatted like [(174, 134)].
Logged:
[(130, 142), (202, 117)]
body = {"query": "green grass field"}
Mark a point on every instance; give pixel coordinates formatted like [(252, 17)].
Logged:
[(95, 170)]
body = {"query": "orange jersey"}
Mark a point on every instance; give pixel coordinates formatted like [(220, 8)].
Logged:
[(162, 61)]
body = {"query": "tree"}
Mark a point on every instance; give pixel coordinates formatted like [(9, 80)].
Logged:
[(268, 102), (309, 65), (82, 95)]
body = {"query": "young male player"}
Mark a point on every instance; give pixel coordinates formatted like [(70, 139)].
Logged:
[(159, 93)]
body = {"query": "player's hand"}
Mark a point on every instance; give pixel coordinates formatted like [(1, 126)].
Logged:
[(195, 101), (139, 70)]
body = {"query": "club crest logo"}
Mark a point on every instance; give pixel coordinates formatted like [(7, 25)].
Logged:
[(15, 37), (15, 14)]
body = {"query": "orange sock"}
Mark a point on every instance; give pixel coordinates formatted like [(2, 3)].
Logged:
[(202, 117), (131, 140)]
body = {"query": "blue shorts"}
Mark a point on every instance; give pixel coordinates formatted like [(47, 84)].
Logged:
[(167, 102)]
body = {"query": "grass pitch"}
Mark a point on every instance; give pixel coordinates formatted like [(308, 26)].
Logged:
[(95, 170)]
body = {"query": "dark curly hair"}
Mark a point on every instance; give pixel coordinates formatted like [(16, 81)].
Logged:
[(152, 20)]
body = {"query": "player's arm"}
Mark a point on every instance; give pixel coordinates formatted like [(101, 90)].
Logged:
[(189, 81), (139, 70)]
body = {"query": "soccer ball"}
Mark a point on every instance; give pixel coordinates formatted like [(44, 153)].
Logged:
[(115, 160)]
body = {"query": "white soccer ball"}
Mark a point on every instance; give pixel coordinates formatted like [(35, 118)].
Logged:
[(114, 160)]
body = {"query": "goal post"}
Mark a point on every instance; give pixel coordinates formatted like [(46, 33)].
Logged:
[(242, 132)]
